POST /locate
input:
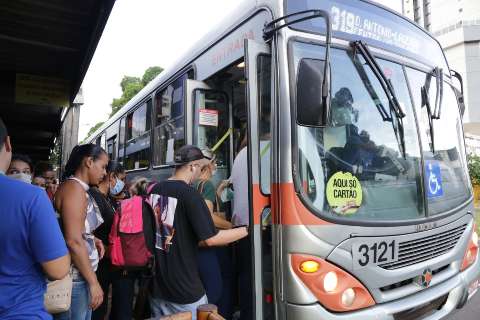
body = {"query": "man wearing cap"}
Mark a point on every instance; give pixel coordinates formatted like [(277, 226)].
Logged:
[(183, 221)]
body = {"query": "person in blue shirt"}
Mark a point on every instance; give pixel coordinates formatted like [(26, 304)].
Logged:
[(32, 247)]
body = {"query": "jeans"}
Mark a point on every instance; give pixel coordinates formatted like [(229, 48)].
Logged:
[(209, 270), (162, 307), (80, 306)]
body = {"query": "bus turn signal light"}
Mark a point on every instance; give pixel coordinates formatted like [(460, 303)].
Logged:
[(472, 250), (334, 288)]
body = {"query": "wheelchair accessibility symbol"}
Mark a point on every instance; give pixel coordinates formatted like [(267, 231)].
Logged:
[(433, 179)]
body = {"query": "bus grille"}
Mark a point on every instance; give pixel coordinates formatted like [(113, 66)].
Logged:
[(426, 248)]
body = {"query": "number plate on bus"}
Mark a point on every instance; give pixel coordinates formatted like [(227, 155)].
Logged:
[(371, 252)]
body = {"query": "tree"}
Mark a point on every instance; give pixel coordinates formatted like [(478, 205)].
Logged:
[(94, 128), (130, 87), (150, 74), (129, 81), (473, 163)]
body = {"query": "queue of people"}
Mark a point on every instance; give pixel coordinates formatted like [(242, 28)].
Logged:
[(189, 237)]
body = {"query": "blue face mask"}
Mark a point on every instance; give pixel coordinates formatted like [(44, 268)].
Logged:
[(119, 184)]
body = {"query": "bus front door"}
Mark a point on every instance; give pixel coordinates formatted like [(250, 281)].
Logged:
[(258, 76)]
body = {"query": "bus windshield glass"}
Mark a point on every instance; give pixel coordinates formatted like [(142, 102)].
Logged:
[(354, 168), (446, 181)]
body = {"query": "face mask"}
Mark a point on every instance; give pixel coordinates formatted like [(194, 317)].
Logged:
[(227, 195), (119, 184), (22, 177)]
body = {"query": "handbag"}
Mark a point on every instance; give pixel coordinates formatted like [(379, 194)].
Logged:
[(58, 296)]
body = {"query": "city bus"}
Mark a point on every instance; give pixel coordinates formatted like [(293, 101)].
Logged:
[(361, 206)]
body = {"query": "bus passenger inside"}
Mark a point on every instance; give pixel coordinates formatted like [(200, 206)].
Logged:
[(359, 155)]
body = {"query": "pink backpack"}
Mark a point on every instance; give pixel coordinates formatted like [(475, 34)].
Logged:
[(132, 235)]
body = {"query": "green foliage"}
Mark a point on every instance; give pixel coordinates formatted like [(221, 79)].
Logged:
[(94, 128), (131, 89), (150, 74), (473, 162), (128, 81), (131, 86)]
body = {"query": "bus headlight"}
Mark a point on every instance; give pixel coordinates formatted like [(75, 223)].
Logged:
[(335, 289), (330, 281), (348, 297), (472, 250)]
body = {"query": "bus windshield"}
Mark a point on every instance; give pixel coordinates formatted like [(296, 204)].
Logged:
[(361, 142)]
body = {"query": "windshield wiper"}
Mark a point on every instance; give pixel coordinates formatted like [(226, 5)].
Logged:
[(426, 103), (435, 113), (387, 86), (438, 73), (370, 89)]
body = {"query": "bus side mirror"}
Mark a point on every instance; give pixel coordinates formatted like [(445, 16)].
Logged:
[(313, 103)]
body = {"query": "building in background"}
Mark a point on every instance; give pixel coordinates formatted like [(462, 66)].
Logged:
[(456, 24)]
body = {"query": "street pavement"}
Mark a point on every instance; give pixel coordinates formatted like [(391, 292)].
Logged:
[(471, 311)]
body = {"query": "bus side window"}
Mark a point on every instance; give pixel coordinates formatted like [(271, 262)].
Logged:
[(169, 122), (121, 141), (264, 123), (112, 147), (137, 149), (212, 125)]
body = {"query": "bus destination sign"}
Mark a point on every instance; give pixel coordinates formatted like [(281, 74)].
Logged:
[(361, 20)]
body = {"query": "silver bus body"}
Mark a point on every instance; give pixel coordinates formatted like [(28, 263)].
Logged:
[(295, 228)]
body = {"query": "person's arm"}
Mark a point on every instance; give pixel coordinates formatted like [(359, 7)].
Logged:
[(46, 239), (218, 221), (72, 205), (58, 268), (224, 237)]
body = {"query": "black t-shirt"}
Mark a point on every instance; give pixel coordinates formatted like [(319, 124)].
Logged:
[(182, 220), (107, 209)]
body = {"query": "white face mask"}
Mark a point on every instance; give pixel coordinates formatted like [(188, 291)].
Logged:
[(22, 177)]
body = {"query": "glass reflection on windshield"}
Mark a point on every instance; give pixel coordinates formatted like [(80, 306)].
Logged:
[(362, 145), (445, 174)]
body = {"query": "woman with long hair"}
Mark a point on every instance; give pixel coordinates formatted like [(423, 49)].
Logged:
[(104, 195), (79, 216)]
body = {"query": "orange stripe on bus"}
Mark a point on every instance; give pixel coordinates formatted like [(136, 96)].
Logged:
[(260, 201), (292, 210)]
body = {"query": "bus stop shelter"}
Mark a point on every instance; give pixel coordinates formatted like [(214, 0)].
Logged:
[(45, 49)]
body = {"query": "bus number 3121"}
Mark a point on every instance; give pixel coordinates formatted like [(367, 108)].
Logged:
[(374, 252)]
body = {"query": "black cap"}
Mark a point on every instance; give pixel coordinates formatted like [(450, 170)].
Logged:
[(186, 154)]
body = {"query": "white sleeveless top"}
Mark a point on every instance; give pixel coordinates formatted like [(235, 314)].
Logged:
[(92, 221)]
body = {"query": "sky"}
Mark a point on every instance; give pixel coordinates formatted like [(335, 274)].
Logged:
[(140, 34)]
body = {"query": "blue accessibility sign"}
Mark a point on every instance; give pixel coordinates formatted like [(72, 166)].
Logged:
[(433, 179)]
